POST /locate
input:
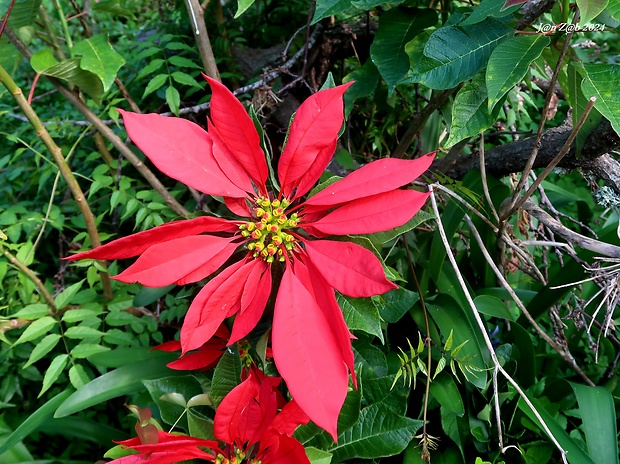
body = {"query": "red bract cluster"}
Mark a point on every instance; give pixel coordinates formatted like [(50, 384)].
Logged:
[(248, 424), (279, 231)]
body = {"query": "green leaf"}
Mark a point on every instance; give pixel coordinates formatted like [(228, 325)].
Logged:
[(613, 8), (378, 432), (454, 54), (578, 102), (325, 8), (43, 62), (575, 454), (446, 392), (79, 315), (46, 345), (185, 387), (34, 420), (80, 332), (493, 8), (114, 7), (394, 304), (185, 79), (23, 14), (84, 350), (100, 58), (397, 26), (122, 381), (361, 314), (153, 66), (183, 62), (243, 5), (317, 456), (509, 63), (174, 100), (227, 375), (36, 329), (120, 356), (200, 426), (148, 295), (53, 372), (590, 9), (64, 297), (366, 79), (32, 312), (379, 238), (491, 306), (155, 83), (78, 376), (597, 409), (600, 81)]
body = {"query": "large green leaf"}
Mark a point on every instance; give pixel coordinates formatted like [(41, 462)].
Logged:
[(394, 304), (578, 102), (494, 307), (122, 381), (378, 432), (325, 8), (361, 314), (509, 63), (397, 27), (598, 414), (43, 62), (366, 79), (9, 56), (23, 13), (34, 421), (184, 388), (317, 456), (470, 112), (613, 8), (100, 58), (454, 54), (575, 454), (600, 80), (590, 9)]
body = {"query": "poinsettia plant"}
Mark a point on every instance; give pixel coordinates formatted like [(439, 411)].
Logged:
[(285, 246)]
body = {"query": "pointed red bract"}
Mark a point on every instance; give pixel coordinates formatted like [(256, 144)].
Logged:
[(349, 268), (238, 132), (315, 127), (133, 245), (379, 176), (307, 355), (178, 260), (181, 150), (377, 213)]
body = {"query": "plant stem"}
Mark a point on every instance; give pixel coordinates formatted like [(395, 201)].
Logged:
[(65, 25), (64, 168), (197, 17), (47, 296)]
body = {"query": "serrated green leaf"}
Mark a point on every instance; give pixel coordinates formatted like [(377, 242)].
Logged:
[(397, 26), (470, 113), (36, 329), (34, 421), (84, 350), (509, 63), (455, 54), (100, 58), (599, 81), (378, 432), (122, 381), (53, 372), (227, 375), (154, 84), (64, 297), (590, 9), (46, 345), (596, 405), (361, 314)]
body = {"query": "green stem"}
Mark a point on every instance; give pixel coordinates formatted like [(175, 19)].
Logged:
[(65, 25), (47, 25), (64, 168)]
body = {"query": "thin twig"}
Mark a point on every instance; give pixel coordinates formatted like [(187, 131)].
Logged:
[(496, 365)]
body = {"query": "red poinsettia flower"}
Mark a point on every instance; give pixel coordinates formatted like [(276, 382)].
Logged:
[(204, 358), (248, 422), (280, 230)]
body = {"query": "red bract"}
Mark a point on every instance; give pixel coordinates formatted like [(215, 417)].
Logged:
[(248, 421), (311, 342)]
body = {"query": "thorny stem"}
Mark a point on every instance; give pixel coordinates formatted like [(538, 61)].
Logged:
[(427, 341), (483, 331), (64, 168), (107, 133)]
